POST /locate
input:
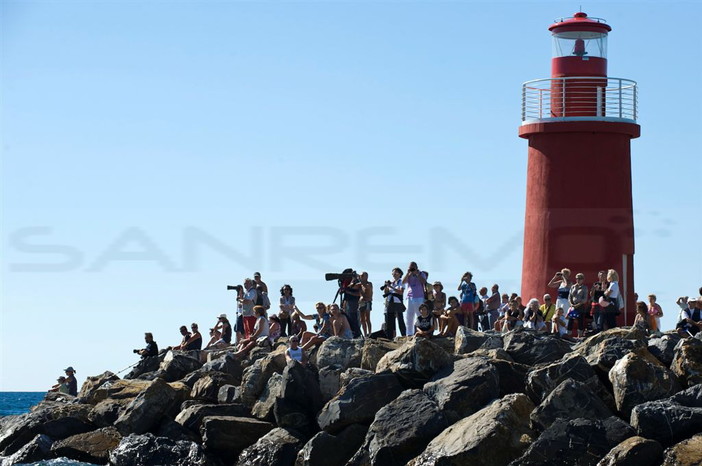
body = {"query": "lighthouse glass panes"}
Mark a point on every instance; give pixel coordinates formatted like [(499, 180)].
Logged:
[(580, 43)]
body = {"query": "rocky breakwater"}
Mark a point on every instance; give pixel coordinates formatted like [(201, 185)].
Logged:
[(523, 398)]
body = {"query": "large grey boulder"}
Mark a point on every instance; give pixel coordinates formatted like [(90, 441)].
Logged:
[(530, 347), (639, 377), (374, 350), (157, 451), (228, 364), (687, 362), (512, 375), (580, 442), (177, 364), (278, 447), (207, 387), (663, 347), (38, 449), (147, 409), (401, 430), (227, 436), (569, 400), (228, 394), (256, 376), (329, 381), (602, 350), (686, 453), (494, 435), (92, 383), (358, 402), (341, 352), (468, 340), (90, 447), (325, 449), (543, 379), (464, 387), (681, 415), (145, 365), (191, 417), (634, 451), (300, 399), (263, 409), (415, 362)]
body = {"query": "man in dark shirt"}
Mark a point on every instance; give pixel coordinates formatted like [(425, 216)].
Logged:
[(151, 348), (71, 381)]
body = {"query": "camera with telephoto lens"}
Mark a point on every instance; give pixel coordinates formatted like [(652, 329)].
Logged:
[(136, 351)]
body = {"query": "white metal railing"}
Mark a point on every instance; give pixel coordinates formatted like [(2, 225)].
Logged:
[(579, 98)]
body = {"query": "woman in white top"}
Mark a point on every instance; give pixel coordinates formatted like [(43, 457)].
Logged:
[(295, 352), (260, 335), (610, 301)]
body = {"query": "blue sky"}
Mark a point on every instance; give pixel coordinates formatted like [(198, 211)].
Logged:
[(154, 152)]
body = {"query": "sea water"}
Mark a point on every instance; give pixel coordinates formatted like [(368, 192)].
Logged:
[(13, 403)]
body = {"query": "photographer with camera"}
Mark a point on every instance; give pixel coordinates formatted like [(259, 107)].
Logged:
[(392, 292), (415, 280), (247, 302), (151, 348), (350, 292)]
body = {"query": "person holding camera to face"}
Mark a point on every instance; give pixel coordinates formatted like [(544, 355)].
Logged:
[(151, 348), (350, 290), (392, 292), (415, 280)]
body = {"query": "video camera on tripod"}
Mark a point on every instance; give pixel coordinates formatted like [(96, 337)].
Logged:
[(343, 279)]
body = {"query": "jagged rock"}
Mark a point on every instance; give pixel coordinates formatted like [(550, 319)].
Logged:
[(263, 409), (351, 373), (118, 390), (92, 383), (672, 419), (57, 420), (170, 429), (277, 447), (569, 400), (639, 377), (144, 366), (106, 412), (229, 435), (374, 350), (401, 430), (228, 394), (605, 348), (177, 364), (492, 353), (577, 441), (663, 347), (358, 402), (227, 364), (59, 397), (468, 340), (38, 449), (337, 351), (464, 387), (329, 381), (155, 451), (207, 387), (687, 362), (685, 453), (256, 376), (530, 347), (90, 447), (415, 362), (494, 435), (325, 449), (512, 375), (634, 451), (192, 416), (542, 379), (300, 399), (147, 409)]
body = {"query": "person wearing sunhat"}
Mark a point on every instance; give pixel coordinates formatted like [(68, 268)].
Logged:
[(71, 381)]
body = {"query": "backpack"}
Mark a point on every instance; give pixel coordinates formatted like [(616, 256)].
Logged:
[(263, 300)]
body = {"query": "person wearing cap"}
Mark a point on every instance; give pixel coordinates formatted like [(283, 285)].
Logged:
[(439, 303), (71, 381), (60, 386), (691, 322), (221, 333), (579, 301)]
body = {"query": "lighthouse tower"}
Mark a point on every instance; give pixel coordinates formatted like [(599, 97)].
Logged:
[(579, 124)]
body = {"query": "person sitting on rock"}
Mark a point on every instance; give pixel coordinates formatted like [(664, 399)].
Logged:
[(691, 321), (448, 321), (340, 323), (513, 317), (259, 336), (61, 386), (151, 348), (191, 341), (274, 327), (186, 336), (641, 320), (558, 323), (322, 326), (298, 326), (424, 326), (71, 381), (295, 352), (533, 317), (221, 333)]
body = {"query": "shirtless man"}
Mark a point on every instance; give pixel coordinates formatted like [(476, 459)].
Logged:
[(365, 303), (340, 324)]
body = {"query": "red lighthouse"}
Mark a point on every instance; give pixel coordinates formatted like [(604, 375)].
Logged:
[(579, 124)]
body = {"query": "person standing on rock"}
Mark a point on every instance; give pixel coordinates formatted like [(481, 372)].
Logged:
[(579, 301), (71, 381), (561, 281), (415, 280), (597, 292), (365, 304), (656, 312), (248, 301), (393, 292)]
